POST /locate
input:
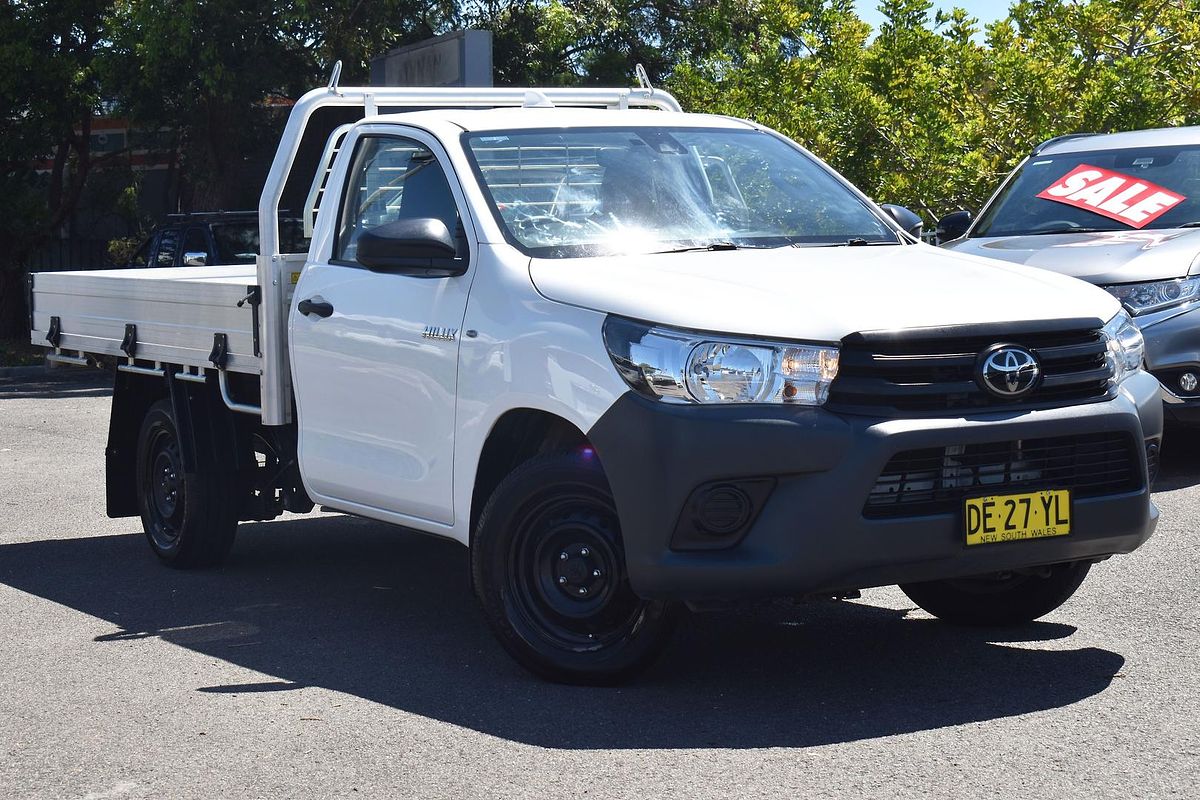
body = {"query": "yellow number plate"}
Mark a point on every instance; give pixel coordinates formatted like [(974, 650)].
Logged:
[(1013, 517)]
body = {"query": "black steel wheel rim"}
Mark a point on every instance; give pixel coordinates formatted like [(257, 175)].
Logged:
[(164, 489), (566, 577)]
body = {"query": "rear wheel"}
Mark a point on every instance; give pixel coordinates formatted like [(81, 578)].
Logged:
[(549, 570), (1004, 598), (190, 519)]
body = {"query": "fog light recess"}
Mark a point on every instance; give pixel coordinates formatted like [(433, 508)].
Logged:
[(721, 509), (1183, 382), (719, 513)]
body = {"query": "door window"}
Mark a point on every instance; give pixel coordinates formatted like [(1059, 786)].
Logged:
[(393, 179)]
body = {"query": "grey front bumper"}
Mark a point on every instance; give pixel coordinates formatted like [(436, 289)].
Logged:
[(810, 534), (1173, 348)]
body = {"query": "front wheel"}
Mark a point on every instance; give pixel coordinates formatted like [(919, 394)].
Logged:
[(549, 570), (1004, 598)]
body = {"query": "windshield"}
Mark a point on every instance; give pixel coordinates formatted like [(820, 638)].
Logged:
[(1107, 190), (578, 192)]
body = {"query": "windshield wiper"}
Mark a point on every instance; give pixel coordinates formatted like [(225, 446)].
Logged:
[(855, 242), (1068, 229), (1195, 224), (711, 247)]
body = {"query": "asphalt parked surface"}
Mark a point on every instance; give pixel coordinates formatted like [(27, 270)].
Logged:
[(335, 657)]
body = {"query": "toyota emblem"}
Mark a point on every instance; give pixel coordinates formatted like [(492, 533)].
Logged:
[(1009, 371)]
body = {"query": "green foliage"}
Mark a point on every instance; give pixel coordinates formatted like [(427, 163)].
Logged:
[(929, 111), (934, 111), (209, 69), (121, 249), (566, 42), (50, 86)]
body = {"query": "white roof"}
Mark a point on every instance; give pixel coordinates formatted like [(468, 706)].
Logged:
[(495, 119), (1155, 137)]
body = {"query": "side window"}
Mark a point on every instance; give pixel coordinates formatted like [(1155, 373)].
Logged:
[(393, 179), (168, 246), (194, 241)]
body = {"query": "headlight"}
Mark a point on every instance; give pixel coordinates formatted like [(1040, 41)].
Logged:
[(1142, 298), (682, 367), (1126, 347)]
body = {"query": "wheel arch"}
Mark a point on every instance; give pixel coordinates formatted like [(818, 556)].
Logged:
[(133, 395), (517, 436)]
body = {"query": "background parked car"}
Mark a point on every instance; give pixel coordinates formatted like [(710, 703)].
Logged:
[(1119, 210), (208, 238)]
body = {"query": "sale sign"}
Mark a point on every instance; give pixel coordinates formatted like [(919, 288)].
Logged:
[(1126, 199)]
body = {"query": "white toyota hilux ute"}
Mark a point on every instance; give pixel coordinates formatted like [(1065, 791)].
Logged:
[(633, 359)]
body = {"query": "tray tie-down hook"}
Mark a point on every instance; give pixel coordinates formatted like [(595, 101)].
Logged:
[(129, 344), (54, 335), (220, 351)]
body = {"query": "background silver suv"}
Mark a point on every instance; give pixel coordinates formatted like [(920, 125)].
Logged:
[(1119, 210)]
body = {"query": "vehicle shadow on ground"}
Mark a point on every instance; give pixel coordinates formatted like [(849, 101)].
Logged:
[(360, 608), (1180, 459)]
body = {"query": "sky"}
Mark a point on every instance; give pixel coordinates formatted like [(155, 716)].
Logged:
[(984, 10)]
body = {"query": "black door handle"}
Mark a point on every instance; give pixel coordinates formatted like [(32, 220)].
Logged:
[(320, 308)]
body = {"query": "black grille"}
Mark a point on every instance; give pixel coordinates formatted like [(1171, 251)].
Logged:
[(935, 480), (931, 371)]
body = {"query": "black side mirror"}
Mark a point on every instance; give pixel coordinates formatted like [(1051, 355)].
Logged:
[(953, 225), (905, 219), (421, 246)]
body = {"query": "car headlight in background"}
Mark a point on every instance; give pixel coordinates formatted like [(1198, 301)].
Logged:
[(684, 367), (1142, 298), (1126, 347)]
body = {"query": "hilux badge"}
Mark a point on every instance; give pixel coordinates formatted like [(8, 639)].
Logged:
[(1009, 371), (444, 334)]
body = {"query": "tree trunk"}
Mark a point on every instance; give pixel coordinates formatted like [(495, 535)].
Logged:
[(217, 153), (14, 316)]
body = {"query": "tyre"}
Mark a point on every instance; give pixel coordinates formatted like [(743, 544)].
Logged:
[(549, 571), (1005, 598), (190, 519)]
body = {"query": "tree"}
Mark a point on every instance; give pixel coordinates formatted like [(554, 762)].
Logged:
[(927, 115), (203, 71), (211, 69), (52, 53), (931, 112), (572, 42)]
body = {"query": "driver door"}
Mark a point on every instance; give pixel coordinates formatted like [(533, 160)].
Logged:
[(375, 364)]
